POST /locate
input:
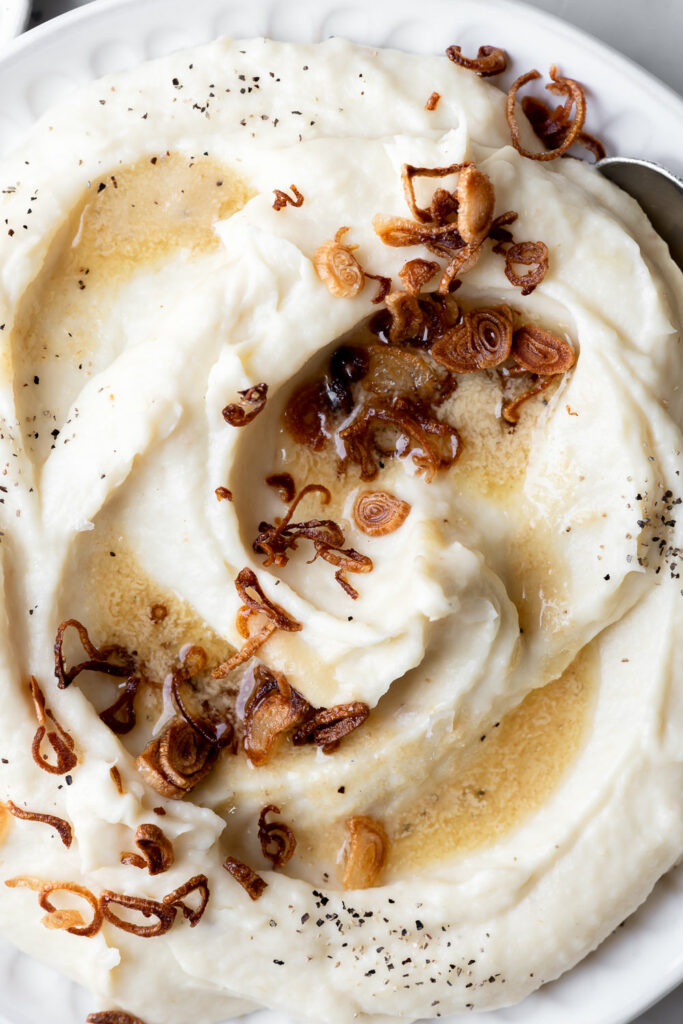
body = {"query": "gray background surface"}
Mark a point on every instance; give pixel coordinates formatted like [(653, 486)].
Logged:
[(649, 32)]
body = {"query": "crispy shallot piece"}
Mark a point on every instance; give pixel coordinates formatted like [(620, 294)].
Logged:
[(306, 416), (156, 850), (441, 239), (223, 494), (71, 921), (282, 199), (464, 260), (530, 254), (476, 200), (58, 738), (480, 341), (198, 883), (62, 827), (338, 268), (433, 101), (328, 726), (551, 126), (378, 513), (434, 214), (541, 352), (365, 854), (396, 371), (164, 913), (346, 560), (97, 660), (511, 409), (252, 883), (499, 230), (112, 1017), (284, 483), (416, 273), (252, 402), (120, 717), (490, 60), (177, 761), (434, 444), (275, 541), (272, 709), (277, 839), (212, 727), (116, 778), (575, 97), (246, 582), (407, 317)]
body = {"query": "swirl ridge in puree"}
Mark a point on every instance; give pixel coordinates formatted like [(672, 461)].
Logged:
[(341, 474)]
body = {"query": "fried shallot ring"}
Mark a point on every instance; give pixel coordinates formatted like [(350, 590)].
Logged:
[(490, 60), (409, 172), (529, 254), (272, 540), (252, 402), (378, 513), (252, 883), (498, 231), (416, 273), (282, 199), (272, 709), (177, 760), (433, 101), (442, 239), (365, 853), (551, 126), (156, 850), (407, 318), (560, 86), (248, 649), (58, 824), (541, 352), (112, 1017), (164, 914), (277, 839), (511, 409), (214, 729), (480, 341), (464, 260), (198, 883), (284, 483), (247, 581), (71, 921), (59, 739), (98, 658), (328, 726), (338, 268), (435, 444)]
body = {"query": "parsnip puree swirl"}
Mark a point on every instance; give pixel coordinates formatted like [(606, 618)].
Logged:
[(347, 438)]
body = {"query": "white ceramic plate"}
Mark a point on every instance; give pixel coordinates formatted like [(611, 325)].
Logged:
[(13, 17), (630, 110)]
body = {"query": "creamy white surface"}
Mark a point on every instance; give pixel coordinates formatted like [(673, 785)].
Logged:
[(528, 906)]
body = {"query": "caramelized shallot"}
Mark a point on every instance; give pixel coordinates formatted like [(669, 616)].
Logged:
[(433, 101), (328, 726), (59, 739), (541, 352), (252, 883), (416, 273), (247, 581), (338, 268), (529, 254), (476, 200), (410, 172), (551, 126), (252, 402), (177, 761), (490, 60), (71, 921), (112, 1017), (200, 884), (273, 708), (480, 341), (282, 199), (572, 128), (62, 827), (366, 852), (378, 513), (156, 850), (164, 914), (511, 409), (407, 318), (277, 839), (284, 482)]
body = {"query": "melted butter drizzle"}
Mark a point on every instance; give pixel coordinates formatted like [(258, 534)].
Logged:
[(131, 224)]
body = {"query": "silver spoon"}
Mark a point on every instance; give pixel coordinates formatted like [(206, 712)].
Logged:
[(658, 191)]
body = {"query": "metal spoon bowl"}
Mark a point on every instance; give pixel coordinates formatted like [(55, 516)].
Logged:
[(658, 191)]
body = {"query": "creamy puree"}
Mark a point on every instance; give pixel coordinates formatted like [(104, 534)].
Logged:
[(518, 639)]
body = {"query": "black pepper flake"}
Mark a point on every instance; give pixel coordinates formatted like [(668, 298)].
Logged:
[(304, 918), (606, 577), (68, 780), (280, 963), (342, 789), (419, 925), (371, 971)]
